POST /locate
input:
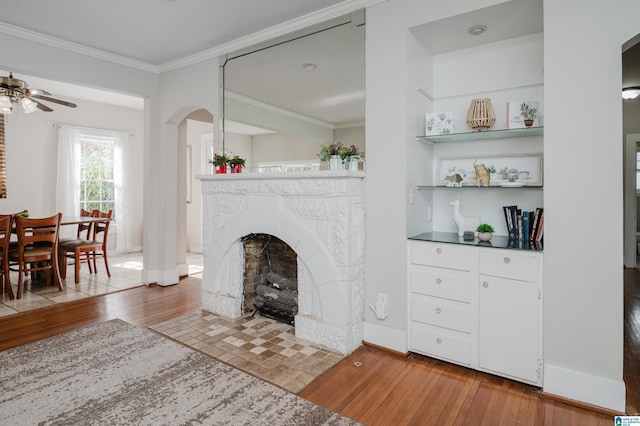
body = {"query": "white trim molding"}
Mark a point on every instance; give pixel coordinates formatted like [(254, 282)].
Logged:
[(25, 34), (584, 387), (386, 337)]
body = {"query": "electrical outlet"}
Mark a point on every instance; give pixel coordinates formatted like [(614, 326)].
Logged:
[(382, 298), (381, 306)]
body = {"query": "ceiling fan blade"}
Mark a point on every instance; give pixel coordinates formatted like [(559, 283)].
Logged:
[(38, 92), (58, 101), (40, 106)]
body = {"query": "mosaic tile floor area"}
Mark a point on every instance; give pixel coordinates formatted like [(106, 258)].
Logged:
[(125, 273), (260, 346)]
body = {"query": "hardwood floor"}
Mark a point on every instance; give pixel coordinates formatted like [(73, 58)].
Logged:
[(390, 389), (386, 389), (632, 339), (142, 306)]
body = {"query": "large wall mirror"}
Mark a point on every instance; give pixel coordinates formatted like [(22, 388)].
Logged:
[(285, 98)]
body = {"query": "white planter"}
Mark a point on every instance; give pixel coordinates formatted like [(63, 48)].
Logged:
[(335, 162), (484, 236)]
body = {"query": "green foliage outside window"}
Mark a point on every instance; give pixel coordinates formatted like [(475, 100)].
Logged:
[(96, 174)]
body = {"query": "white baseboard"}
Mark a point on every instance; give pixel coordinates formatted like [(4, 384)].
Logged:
[(585, 388), (386, 337), (162, 278), (183, 269)]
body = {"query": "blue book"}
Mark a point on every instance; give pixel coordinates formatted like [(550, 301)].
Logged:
[(525, 226)]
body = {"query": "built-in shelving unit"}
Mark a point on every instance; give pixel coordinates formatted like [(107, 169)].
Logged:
[(478, 188), (484, 135)]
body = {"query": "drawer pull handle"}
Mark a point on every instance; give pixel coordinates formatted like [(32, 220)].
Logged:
[(438, 310), (438, 250), (438, 281), (438, 340), (485, 284), (507, 259)]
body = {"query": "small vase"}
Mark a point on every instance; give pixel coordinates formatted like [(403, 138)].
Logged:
[(528, 122), (221, 169), (335, 162), (236, 168), (484, 236)]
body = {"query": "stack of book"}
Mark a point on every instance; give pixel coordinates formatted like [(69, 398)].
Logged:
[(526, 226)]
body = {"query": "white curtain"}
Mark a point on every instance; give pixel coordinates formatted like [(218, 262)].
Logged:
[(68, 177), (122, 172), (68, 182)]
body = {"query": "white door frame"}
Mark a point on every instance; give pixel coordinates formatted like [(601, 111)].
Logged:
[(630, 199)]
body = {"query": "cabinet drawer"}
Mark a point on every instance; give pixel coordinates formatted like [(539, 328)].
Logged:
[(445, 283), (440, 344), (451, 315), (441, 255), (509, 264)]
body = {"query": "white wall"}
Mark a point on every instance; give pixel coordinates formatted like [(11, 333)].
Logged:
[(583, 274), (242, 145), (32, 144), (351, 136), (195, 130), (178, 100), (284, 147), (583, 270)]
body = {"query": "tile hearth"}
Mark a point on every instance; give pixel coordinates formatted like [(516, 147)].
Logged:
[(260, 346)]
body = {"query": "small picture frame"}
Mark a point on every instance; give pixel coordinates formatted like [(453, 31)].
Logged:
[(510, 170), (515, 117), (438, 123)]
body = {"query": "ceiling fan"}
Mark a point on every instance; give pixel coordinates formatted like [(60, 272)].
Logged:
[(15, 92)]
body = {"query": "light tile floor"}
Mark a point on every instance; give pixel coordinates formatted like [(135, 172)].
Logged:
[(125, 273), (260, 346)]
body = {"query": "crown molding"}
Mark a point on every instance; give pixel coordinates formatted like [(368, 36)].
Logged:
[(271, 108), (304, 21), (25, 34), (349, 125), (296, 24)]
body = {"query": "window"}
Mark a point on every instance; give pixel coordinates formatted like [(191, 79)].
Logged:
[(288, 166), (97, 173)]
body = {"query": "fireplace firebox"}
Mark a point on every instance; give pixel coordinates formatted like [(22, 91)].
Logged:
[(270, 278)]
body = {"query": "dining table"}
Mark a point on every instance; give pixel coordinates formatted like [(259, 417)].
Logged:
[(76, 220)]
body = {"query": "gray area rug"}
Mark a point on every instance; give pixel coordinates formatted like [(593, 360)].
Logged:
[(114, 373)]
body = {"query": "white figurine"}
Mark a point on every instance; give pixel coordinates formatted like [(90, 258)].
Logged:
[(465, 223)]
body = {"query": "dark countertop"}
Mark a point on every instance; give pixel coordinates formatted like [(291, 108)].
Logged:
[(498, 241)]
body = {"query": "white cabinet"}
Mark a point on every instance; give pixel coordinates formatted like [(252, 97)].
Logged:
[(478, 307), (509, 313)]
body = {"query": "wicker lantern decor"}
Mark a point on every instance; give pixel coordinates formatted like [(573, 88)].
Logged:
[(481, 115)]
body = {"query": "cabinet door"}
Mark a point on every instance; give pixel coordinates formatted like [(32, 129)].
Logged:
[(508, 328)]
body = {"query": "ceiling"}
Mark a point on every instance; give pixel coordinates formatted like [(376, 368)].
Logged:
[(153, 31), (157, 32)]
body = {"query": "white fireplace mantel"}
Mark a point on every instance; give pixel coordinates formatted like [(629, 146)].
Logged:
[(318, 214)]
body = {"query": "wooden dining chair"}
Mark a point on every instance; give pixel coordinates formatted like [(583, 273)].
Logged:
[(84, 229), (6, 223), (37, 248), (87, 250)]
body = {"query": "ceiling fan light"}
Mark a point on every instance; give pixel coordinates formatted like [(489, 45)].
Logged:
[(630, 92), (5, 111), (5, 102), (28, 105)]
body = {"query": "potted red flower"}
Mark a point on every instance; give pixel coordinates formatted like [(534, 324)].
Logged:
[(220, 162), (236, 163)]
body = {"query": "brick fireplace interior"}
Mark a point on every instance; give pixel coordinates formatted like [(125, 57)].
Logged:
[(270, 265)]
